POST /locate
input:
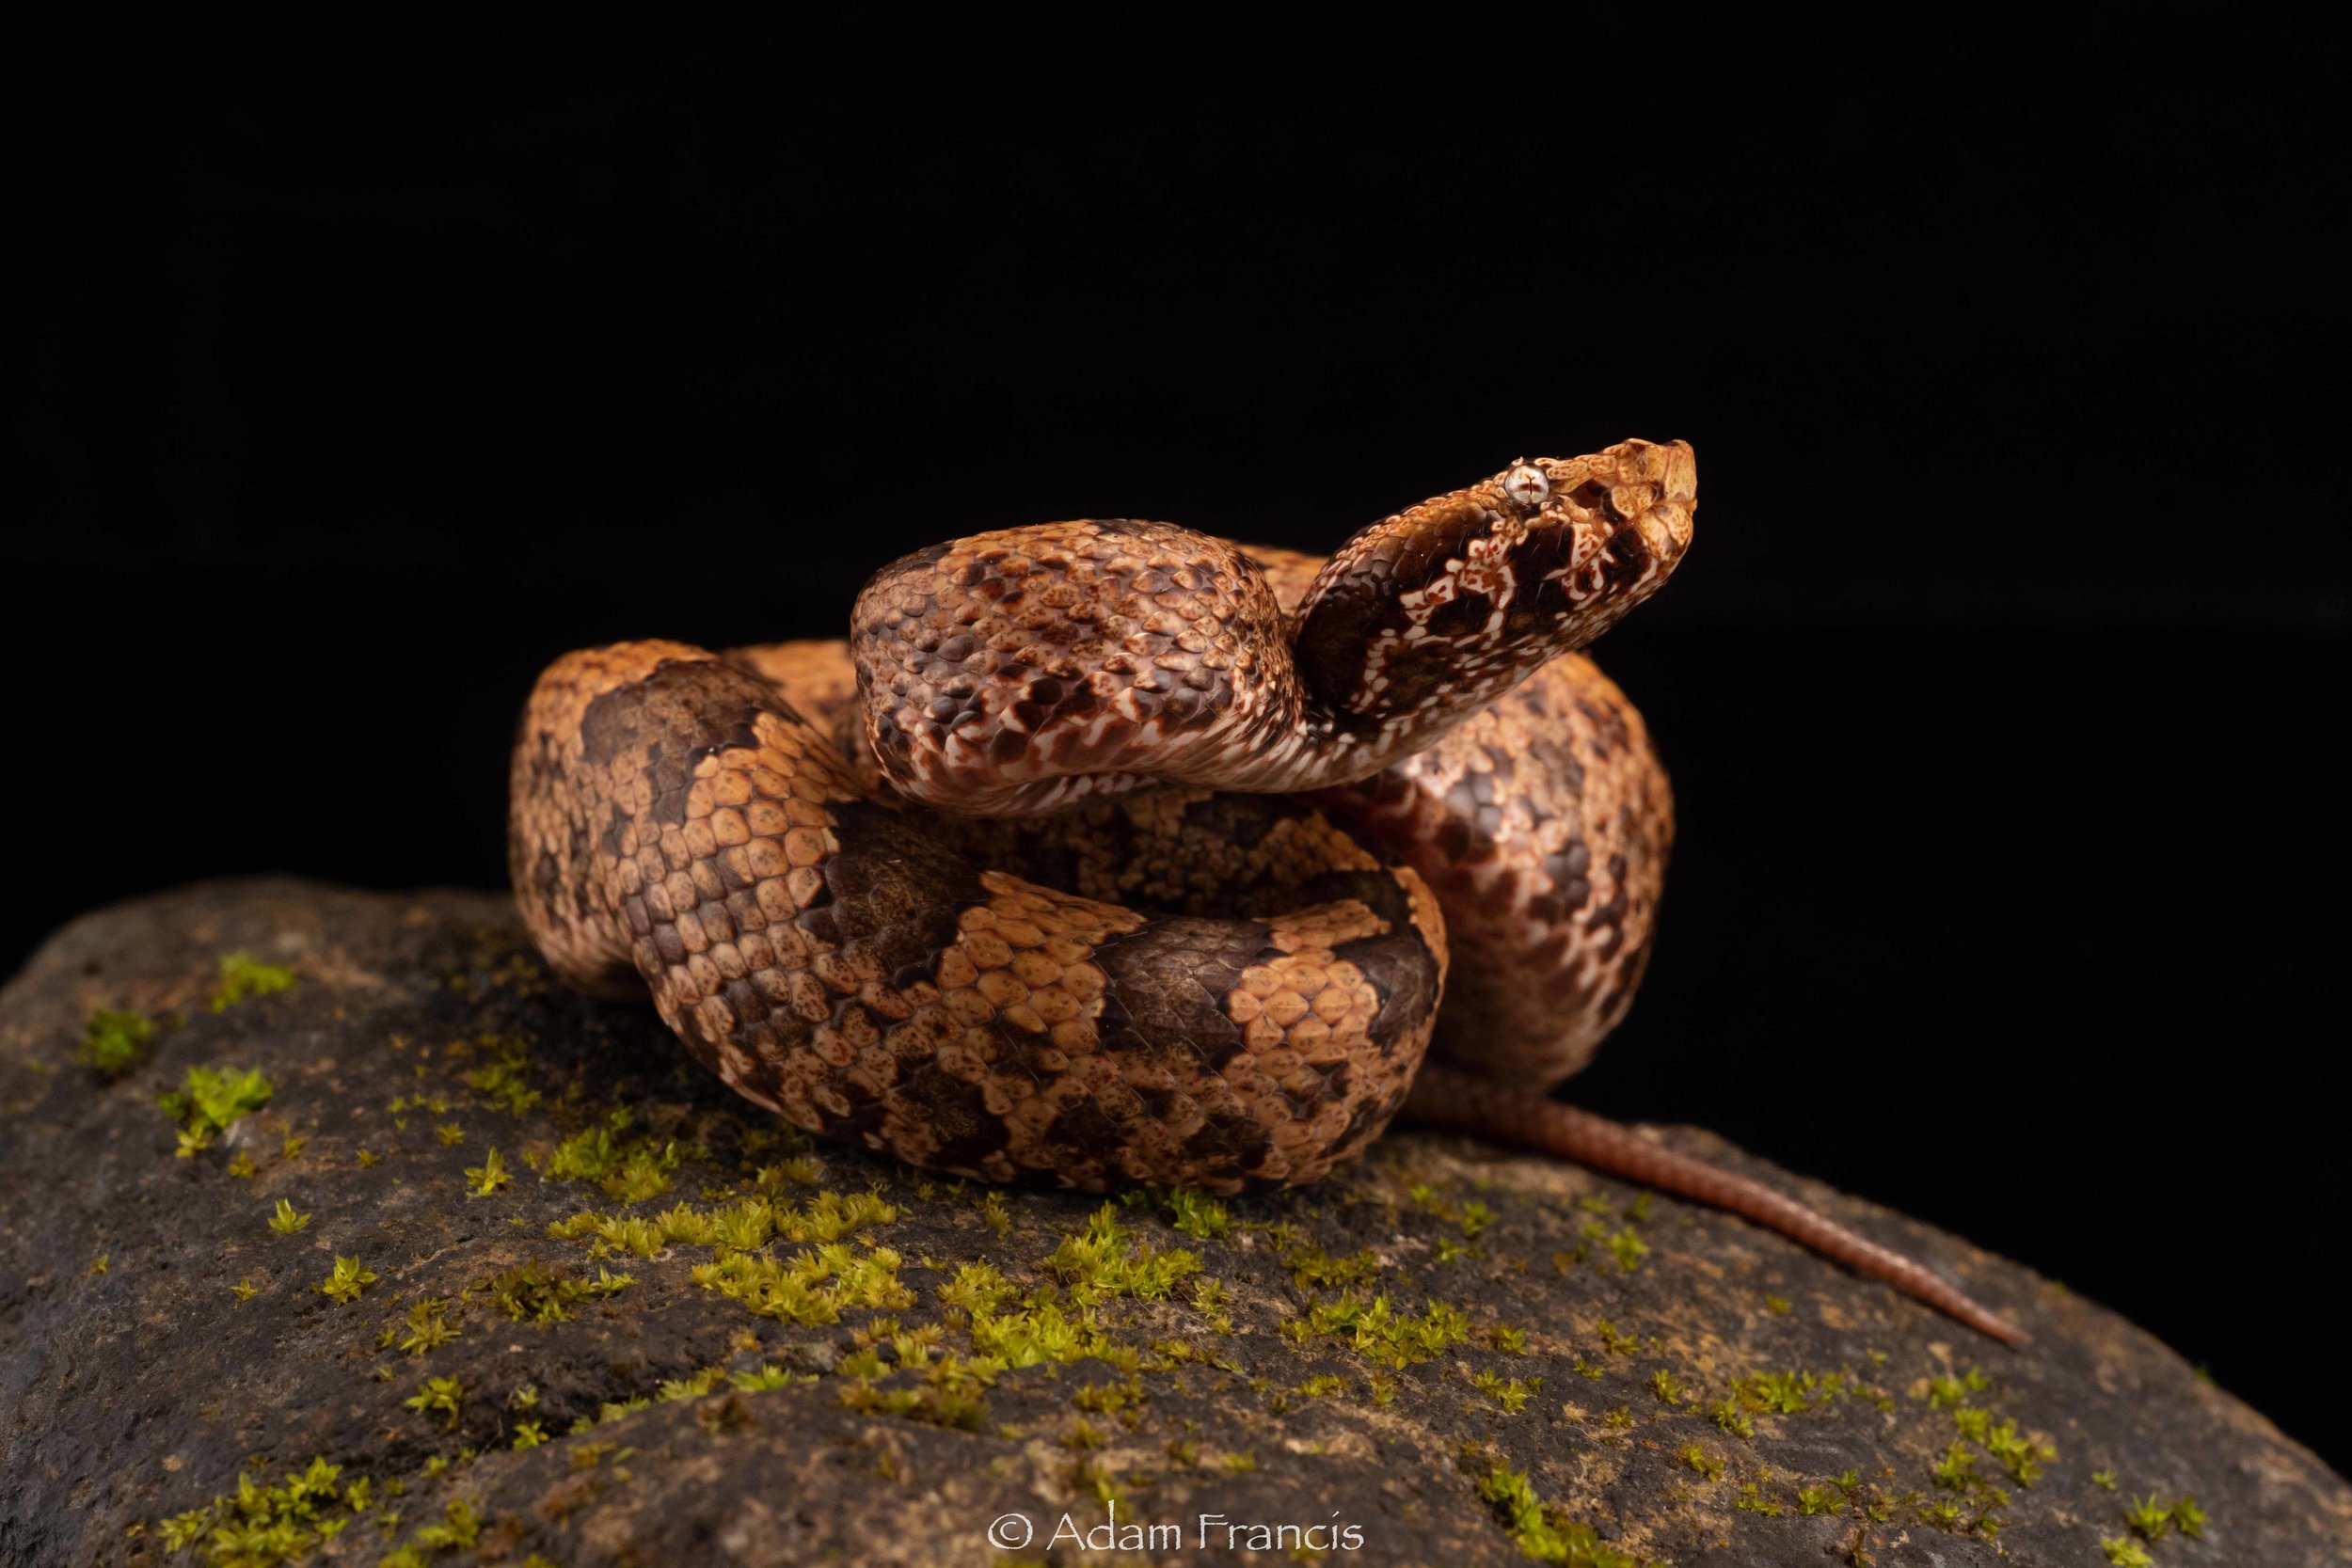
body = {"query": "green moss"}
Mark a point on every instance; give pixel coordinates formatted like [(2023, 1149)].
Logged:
[(764, 1376), (1627, 1249), (504, 1081), (1957, 1471), (2151, 1517), (812, 1286), (1512, 1394), (1701, 1461), (488, 1177), (1313, 1269), (1194, 1213), (1208, 1299), (1103, 1262), (114, 1042), (2124, 1552), (744, 1226), (1541, 1530), (437, 1393), (1038, 1333), (1777, 1393), (262, 1526), (956, 1407), (1375, 1330), (459, 1529), (287, 1220), (1108, 1399), (210, 1101), (977, 1288), (243, 976), (710, 1380), (349, 1277), (1944, 1391), (629, 1170), (428, 1329), (534, 1293)]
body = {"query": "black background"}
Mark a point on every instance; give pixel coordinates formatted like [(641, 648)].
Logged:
[(2002, 688)]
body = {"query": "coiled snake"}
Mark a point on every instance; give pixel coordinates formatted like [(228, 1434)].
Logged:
[(1109, 853)]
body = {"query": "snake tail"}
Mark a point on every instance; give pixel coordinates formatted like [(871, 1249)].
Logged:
[(1456, 1101)]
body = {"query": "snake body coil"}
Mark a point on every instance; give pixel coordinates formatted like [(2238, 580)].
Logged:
[(1109, 853)]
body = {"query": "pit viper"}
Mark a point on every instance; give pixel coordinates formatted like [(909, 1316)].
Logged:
[(1108, 853)]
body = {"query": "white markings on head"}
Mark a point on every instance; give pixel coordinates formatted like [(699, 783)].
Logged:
[(1527, 484)]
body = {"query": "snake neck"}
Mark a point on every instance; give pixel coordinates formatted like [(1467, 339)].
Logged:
[(1027, 671)]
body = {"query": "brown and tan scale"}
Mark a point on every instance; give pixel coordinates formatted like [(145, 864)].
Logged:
[(1108, 853)]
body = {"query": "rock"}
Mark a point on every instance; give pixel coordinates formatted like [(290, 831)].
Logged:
[(1449, 1353)]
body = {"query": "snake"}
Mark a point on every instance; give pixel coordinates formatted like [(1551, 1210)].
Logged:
[(1107, 854)]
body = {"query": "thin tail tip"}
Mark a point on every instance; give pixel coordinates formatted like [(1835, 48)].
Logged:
[(1987, 1321)]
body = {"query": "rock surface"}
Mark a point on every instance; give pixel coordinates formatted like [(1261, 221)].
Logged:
[(1447, 1354)]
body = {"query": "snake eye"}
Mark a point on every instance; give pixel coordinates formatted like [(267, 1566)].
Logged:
[(1526, 484)]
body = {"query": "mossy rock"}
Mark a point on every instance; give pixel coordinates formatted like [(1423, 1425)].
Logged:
[(1450, 1352)]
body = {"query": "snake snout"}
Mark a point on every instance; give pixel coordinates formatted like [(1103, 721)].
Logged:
[(1670, 475)]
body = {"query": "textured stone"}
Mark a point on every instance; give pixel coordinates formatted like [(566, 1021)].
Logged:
[(132, 1396)]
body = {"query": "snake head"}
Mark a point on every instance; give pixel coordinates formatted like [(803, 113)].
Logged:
[(1442, 607)]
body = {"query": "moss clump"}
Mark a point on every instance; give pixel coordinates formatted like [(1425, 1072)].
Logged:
[(979, 1288), (1777, 1393), (210, 1101), (114, 1042), (1039, 1334), (261, 1525), (1376, 1331), (745, 1225), (243, 976), (812, 1286), (287, 1220), (1101, 1262), (1540, 1529), (765, 1376), (504, 1081), (949, 1405), (1512, 1394), (533, 1292), (628, 1170), (428, 1330), (488, 1177), (2152, 1518), (348, 1279), (1701, 1461), (1194, 1213), (437, 1393)]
